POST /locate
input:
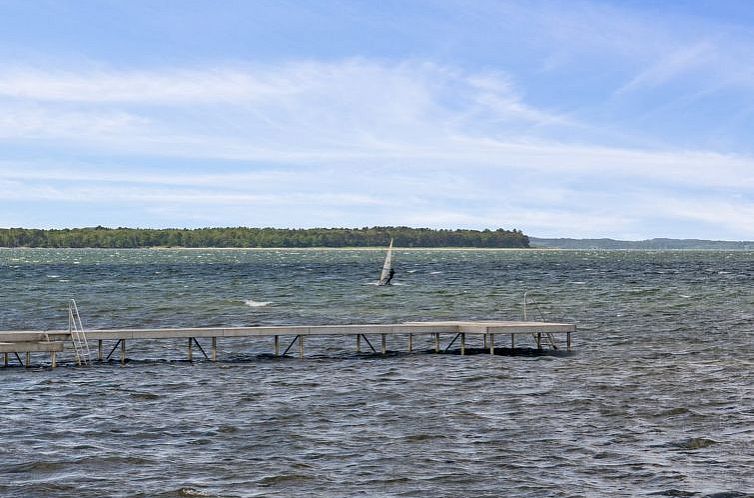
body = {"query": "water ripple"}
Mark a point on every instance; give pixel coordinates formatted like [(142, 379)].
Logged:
[(654, 401)]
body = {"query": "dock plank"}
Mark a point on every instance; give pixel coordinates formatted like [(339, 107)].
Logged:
[(52, 341), (468, 327), (31, 347)]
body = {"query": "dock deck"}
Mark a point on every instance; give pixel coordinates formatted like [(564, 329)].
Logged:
[(52, 341)]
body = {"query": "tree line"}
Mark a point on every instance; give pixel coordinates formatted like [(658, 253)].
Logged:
[(102, 237)]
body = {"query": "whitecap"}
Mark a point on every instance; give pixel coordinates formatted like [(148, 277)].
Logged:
[(256, 304)]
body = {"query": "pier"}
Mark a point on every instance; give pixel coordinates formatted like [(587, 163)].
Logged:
[(284, 339)]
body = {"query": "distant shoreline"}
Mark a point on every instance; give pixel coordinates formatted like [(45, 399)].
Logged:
[(381, 248), (249, 237), (356, 248), (656, 244)]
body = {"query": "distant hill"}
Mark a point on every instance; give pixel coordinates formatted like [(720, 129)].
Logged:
[(651, 244)]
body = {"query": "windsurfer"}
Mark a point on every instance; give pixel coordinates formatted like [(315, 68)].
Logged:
[(389, 277)]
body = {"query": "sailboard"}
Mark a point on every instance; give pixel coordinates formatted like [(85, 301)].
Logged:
[(387, 268)]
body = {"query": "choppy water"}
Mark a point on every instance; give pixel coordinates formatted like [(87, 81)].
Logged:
[(656, 399)]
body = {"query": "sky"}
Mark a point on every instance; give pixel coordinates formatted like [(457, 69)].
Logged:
[(625, 119)]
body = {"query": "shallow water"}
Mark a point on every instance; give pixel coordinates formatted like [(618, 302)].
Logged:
[(655, 400)]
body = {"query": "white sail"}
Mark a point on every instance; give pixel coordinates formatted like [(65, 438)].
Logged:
[(387, 268)]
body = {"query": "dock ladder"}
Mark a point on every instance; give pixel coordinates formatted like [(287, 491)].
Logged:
[(538, 335), (78, 336)]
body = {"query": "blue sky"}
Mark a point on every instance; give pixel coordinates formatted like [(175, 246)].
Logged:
[(580, 119)]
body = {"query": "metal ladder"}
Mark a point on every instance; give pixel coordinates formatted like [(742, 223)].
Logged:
[(537, 336), (78, 336)]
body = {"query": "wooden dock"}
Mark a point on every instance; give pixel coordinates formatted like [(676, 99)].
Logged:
[(487, 332)]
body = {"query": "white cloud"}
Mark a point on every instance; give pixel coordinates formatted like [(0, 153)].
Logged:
[(410, 143), (355, 112), (735, 215), (19, 191), (369, 99)]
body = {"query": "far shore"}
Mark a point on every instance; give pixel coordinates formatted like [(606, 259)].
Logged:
[(374, 248), (396, 248), (370, 248)]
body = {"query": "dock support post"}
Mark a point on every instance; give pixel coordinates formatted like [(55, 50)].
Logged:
[(492, 343), (28, 359), (568, 341), (122, 351), (437, 342), (214, 349), (463, 344), (53, 359), (485, 341), (384, 343), (410, 343), (190, 349), (513, 341), (358, 343), (277, 345), (99, 350), (5, 359), (539, 340), (301, 346)]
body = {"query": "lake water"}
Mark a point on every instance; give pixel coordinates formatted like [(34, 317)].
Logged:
[(656, 399)]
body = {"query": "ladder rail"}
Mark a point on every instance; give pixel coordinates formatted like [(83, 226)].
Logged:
[(75, 340), (74, 335), (81, 328), (78, 335), (548, 335)]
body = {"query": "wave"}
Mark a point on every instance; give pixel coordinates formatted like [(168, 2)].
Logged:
[(256, 304)]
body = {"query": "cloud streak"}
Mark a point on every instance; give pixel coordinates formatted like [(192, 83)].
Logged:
[(334, 113), (672, 65), (176, 87), (351, 142)]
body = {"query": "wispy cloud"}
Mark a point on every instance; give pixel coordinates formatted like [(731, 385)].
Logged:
[(671, 65), (24, 120), (550, 132), (335, 113), (734, 214), (166, 87), (348, 143), (396, 91), (303, 112), (647, 56)]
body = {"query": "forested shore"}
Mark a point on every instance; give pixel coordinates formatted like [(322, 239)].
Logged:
[(102, 237)]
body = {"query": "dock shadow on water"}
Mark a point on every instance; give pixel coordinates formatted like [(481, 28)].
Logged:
[(653, 401)]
